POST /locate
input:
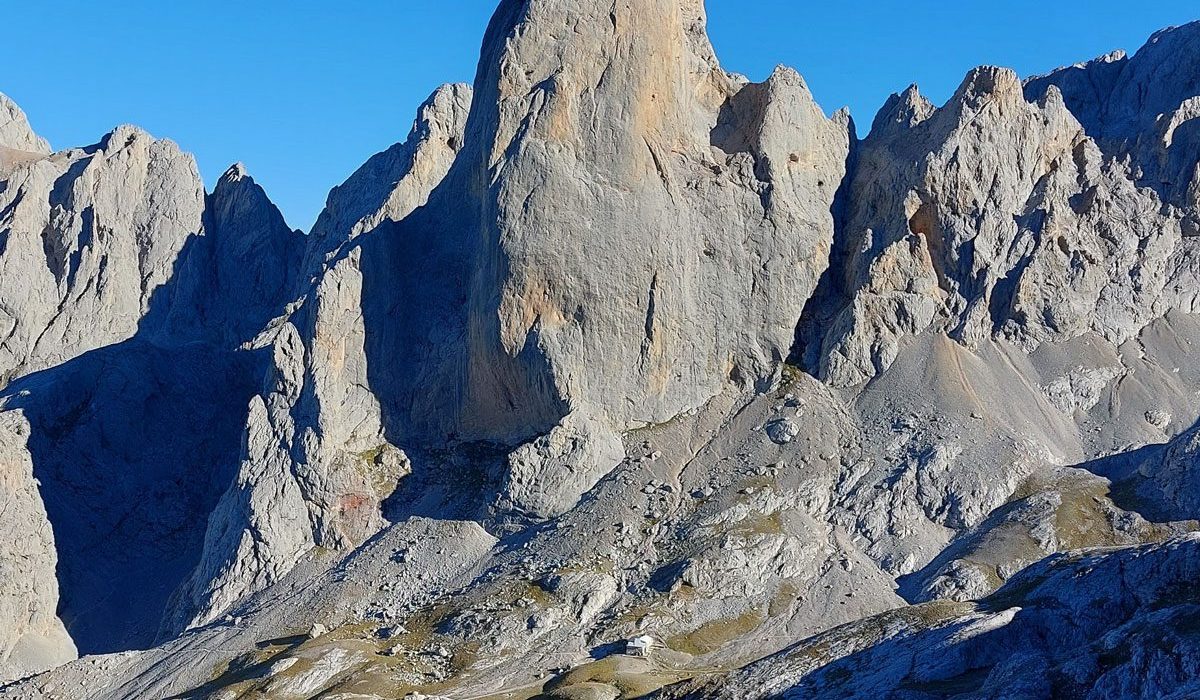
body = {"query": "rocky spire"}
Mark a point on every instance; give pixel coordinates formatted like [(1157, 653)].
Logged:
[(625, 232), (239, 274), (281, 505), (618, 156)]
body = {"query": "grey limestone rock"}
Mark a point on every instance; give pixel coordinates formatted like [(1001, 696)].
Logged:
[(568, 282), (1026, 226), (131, 291), (239, 274), (545, 477), (32, 637), (316, 462), (1103, 624), (394, 182), (525, 391), (638, 268), (90, 235), (15, 132)]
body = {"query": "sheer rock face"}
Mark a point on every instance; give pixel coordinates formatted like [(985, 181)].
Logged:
[(32, 638), (578, 267), (627, 231), (261, 526), (89, 235), (1018, 221), (627, 199)]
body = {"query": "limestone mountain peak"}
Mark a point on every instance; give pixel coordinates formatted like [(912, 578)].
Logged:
[(617, 346)]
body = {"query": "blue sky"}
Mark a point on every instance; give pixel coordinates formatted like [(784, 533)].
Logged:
[(303, 91)]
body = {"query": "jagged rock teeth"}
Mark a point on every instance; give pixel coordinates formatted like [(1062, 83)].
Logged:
[(1005, 195), (904, 110)]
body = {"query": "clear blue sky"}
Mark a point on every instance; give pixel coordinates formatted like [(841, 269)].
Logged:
[(303, 91)]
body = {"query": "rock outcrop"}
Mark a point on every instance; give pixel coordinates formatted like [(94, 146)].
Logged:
[(1142, 107), (33, 638), (1103, 624), (1027, 221), (125, 293), (317, 463), (237, 276), (90, 235), (560, 274)]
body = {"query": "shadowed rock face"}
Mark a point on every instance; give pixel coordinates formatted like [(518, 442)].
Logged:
[(238, 275), (131, 444), (34, 638), (316, 464), (130, 291), (522, 392)]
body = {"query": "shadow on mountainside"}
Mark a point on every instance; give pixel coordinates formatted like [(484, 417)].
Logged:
[(414, 304), (133, 444), (454, 403), (1158, 481)]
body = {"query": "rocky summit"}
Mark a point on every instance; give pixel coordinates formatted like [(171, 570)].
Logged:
[(621, 377)]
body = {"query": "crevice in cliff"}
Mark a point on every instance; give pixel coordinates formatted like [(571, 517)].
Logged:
[(831, 295)]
